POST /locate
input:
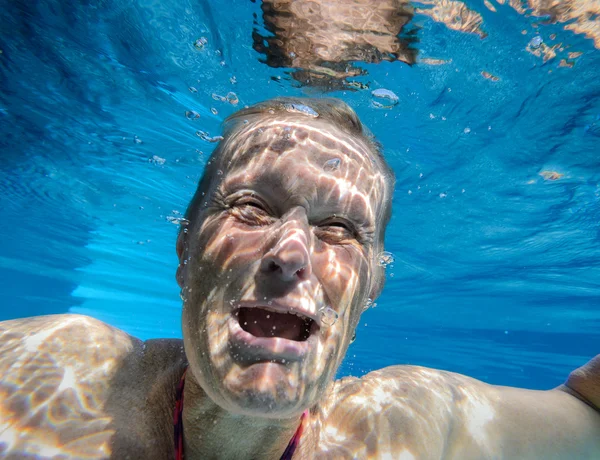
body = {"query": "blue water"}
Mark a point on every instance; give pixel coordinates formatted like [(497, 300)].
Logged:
[(497, 270)]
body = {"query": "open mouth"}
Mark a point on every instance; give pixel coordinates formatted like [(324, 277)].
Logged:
[(265, 323)]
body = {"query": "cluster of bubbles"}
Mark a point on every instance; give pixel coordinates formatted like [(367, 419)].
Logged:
[(385, 259), (177, 218), (369, 303), (200, 43), (230, 97), (157, 160)]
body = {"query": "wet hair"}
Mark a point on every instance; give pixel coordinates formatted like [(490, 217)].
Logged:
[(329, 110)]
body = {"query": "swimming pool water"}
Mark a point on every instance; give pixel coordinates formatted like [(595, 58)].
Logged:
[(495, 227)]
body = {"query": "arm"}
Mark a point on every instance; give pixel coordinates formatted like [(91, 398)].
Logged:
[(524, 424), (428, 414), (584, 383)]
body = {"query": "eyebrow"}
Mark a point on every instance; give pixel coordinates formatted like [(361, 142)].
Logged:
[(358, 208)]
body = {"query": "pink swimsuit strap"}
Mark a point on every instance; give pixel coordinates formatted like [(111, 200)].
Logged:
[(178, 426)]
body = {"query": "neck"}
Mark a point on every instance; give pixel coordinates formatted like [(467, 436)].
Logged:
[(210, 431)]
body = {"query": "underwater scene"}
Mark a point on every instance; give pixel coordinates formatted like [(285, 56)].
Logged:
[(488, 112)]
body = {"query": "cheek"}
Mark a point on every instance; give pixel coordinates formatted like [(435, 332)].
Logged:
[(223, 245), (344, 272)]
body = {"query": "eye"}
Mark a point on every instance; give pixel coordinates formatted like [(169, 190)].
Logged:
[(251, 211), (336, 231)]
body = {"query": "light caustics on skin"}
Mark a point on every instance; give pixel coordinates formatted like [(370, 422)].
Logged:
[(273, 202), (49, 405), (411, 413)]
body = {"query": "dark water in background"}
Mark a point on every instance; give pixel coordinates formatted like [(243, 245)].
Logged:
[(497, 269)]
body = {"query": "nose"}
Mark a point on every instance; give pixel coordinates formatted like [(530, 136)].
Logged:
[(289, 258)]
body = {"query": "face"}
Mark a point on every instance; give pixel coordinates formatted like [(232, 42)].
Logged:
[(279, 265)]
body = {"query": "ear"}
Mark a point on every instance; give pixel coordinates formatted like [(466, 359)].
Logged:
[(377, 282), (181, 248)]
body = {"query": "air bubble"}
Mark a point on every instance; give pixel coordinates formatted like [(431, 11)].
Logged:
[(207, 137), (200, 43), (331, 165), (386, 99), (300, 108), (232, 98), (536, 42), (328, 316), (385, 258), (191, 115)]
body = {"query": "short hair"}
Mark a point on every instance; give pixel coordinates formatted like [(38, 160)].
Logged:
[(333, 111)]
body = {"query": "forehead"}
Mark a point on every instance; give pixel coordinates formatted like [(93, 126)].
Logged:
[(314, 161), (310, 140)]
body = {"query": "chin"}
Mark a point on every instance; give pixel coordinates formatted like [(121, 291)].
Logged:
[(266, 389)]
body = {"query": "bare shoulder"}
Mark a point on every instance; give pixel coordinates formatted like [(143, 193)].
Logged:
[(416, 412), (65, 381), (395, 412), (584, 383), (62, 336)]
